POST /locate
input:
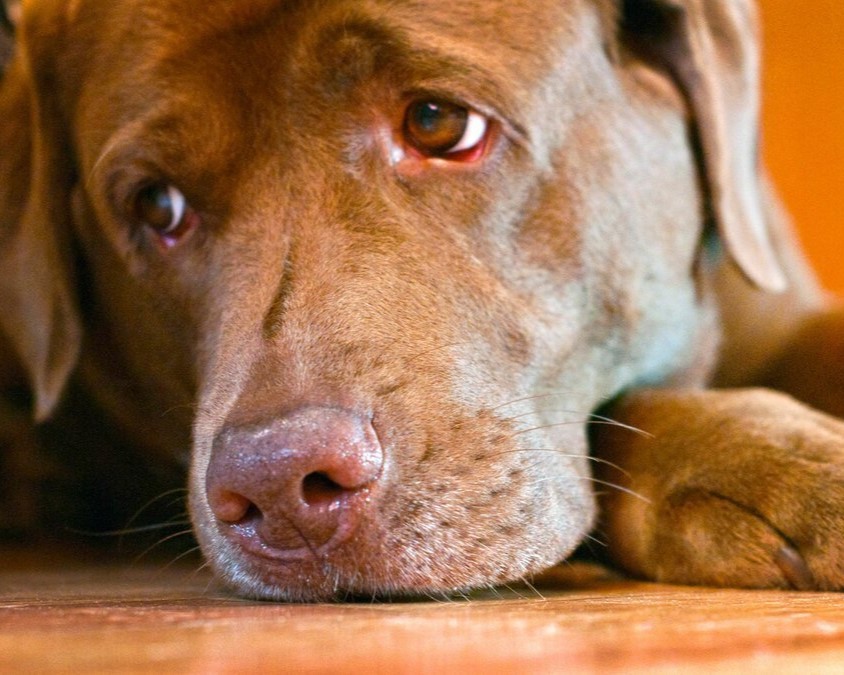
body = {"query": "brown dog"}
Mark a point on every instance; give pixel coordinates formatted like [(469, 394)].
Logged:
[(382, 261)]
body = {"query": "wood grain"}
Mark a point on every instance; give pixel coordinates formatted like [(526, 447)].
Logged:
[(57, 615)]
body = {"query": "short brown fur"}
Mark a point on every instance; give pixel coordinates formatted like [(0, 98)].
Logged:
[(615, 236)]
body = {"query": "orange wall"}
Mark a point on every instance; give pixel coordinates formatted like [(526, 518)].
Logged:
[(803, 122)]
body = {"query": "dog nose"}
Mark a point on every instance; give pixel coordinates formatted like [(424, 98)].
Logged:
[(298, 485)]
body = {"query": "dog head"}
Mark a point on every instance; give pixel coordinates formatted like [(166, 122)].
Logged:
[(394, 254)]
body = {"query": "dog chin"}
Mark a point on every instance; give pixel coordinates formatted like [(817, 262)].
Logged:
[(376, 564), (397, 575)]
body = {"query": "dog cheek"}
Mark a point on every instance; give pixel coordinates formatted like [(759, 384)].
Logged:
[(485, 505)]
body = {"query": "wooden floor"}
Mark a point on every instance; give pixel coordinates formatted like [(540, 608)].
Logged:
[(60, 614)]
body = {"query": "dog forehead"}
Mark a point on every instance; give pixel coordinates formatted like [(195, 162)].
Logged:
[(275, 48), (241, 80), (526, 21), (523, 30)]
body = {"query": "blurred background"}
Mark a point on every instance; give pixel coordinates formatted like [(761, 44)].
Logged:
[(803, 123)]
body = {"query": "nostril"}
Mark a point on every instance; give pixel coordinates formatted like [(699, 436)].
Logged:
[(231, 507), (295, 484), (319, 490)]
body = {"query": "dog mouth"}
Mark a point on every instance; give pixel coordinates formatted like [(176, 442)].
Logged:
[(315, 506), (381, 564), (247, 538)]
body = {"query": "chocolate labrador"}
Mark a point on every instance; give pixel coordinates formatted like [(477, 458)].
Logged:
[(423, 292)]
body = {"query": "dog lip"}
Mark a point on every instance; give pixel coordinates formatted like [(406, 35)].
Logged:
[(249, 545), (246, 536)]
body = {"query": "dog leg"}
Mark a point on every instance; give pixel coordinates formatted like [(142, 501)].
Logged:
[(739, 488), (811, 366)]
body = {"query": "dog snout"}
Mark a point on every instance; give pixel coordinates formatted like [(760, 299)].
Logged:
[(296, 486)]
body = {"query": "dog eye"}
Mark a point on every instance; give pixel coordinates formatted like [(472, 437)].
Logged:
[(163, 208), (447, 130)]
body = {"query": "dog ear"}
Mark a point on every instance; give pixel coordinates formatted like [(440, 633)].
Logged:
[(710, 49), (8, 16), (39, 314)]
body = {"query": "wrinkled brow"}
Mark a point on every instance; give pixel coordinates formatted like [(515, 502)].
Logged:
[(360, 48)]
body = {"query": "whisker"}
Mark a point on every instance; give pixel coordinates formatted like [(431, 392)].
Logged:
[(598, 421), (181, 491), (210, 581), (174, 502), (532, 398), (592, 479), (580, 416), (159, 497), (533, 588), (184, 554), (130, 530), (95, 168), (180, 406), (161, 541), (494, 590), (463, 595), (620, 488), (595, 540), (591, 458), (561, 453), (549, 426), (514, 591), (592, 418), (428, 595), (204, 566)]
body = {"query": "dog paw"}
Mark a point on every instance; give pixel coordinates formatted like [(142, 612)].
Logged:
[(739, 488)]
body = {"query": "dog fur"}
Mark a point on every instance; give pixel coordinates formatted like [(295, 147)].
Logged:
[(450, 324)]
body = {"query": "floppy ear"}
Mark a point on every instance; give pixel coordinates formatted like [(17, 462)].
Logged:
[(710, 49), (38, 309), (7, 31)]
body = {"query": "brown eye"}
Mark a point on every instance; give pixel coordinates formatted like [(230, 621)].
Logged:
[(439, 128), (163, 208)]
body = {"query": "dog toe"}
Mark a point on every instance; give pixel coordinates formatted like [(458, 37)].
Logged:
[(737, 488)]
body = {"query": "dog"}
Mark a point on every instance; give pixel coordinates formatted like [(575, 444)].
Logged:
[(418, 294)]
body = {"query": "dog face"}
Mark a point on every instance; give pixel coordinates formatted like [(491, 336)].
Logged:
[(392, 254)]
